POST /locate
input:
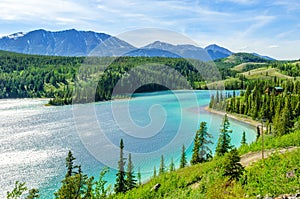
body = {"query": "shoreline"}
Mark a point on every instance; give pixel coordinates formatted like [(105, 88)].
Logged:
[(240, 118)]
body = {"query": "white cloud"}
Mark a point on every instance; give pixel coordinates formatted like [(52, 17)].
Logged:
[(273, 46), (290, 5), (245, 2), (20, 10), (257, 23)]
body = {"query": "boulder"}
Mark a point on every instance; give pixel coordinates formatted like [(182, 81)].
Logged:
[(155, 187)]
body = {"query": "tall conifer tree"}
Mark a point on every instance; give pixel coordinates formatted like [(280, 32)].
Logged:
[(224, 140), (120, 186)]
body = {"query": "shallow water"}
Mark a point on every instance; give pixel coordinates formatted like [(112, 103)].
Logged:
[(35, 139)]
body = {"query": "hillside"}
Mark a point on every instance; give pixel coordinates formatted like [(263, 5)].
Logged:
[(238, 70), (265, 73), (54, 76), (206, 181), (246, 66)]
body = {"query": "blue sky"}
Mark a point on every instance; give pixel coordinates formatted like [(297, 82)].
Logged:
[(269, 27)]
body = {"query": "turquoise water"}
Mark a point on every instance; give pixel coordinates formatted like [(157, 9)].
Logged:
[(35, 139)]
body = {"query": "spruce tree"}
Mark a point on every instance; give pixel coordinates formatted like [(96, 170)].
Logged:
[(33, 193), (224, 139), (130, 178), (201, 152), (232, 167), (162, 165), (70, 164), (100, 186), (195, 156), (18, 190), (120, 186), (257, 133), (183, 160), (243, 142), (139, 176), (172, 165), (75, 183), (204, 140)]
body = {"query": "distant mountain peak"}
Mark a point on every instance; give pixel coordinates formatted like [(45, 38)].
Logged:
[(16, 35), (64, 43), (72, 42), (217, 52)]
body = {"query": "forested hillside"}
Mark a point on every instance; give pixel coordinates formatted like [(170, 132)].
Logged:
[(59, 78), (54, 77), (275, 102)]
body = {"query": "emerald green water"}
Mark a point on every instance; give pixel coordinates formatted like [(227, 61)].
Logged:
[(35, 139)]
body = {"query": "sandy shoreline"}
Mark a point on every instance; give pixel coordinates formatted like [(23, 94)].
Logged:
[(235, 117)]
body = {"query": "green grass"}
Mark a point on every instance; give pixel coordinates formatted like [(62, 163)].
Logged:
[(269, 177), (264, 73), (271, 142), (243, 66)]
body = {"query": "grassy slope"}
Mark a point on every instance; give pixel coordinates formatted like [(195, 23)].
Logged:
[(206, 181), (241, 67), (264, 73)]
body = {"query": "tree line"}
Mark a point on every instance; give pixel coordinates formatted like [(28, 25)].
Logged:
[(279, 109), (90, 78)]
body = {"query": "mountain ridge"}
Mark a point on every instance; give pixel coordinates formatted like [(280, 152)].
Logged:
[(74, 42)]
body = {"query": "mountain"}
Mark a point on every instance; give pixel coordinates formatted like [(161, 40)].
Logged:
[(151, 52), (238, 58), (185, 51), (82, 43), (217, 52), (64, 43), (264, 57)]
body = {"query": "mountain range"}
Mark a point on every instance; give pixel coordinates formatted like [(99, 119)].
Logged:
[(83, 43)]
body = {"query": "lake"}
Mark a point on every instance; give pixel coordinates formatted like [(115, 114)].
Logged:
[(35, 139)]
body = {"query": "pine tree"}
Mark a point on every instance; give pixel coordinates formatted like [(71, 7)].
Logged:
[(130, 178), (195, 156), (120, 186), (282, 119), (183, 160), (33, 193), (224, 139), (18, 190), (69, 164), (204, 140), (172, 165), (162, 165), (139, 176), (75, 183), (154, 172), (257, 133), (89, 189), (201, 152), (100, 186), (212, 101), (71, 187), (243, 142), (231, 166)]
